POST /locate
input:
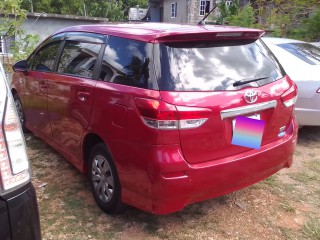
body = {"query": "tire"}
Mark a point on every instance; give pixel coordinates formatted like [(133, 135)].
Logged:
[(20, 111), (104, 181)]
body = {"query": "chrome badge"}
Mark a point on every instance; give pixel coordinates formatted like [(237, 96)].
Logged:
[(250, 96)]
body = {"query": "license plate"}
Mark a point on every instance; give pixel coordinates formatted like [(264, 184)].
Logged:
[(255, 116)]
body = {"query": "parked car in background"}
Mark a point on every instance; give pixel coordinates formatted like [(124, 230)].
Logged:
[(150, 111), (301, 62), (19, 216), (317, 44)]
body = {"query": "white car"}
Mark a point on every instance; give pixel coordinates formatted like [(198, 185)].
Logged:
[(316, 44), (301, 61), (19, 215)]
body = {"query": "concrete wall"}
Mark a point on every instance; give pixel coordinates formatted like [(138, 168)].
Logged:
[(46, 24)]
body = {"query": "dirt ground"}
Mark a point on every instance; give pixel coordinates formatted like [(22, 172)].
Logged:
[(284, 206)]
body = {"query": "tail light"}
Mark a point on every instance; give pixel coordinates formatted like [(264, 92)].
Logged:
[(318, 90), (289, 97), (14, 165), (161, 115)]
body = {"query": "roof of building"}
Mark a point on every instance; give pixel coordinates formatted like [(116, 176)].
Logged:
[(164, 32)]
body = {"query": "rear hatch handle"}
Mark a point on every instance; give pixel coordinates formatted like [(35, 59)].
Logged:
[(233, 112)]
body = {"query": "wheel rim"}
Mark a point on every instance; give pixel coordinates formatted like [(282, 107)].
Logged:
[(19, 110), (102, 179)]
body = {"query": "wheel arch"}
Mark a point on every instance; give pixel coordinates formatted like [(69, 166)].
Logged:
[(14, 92), (90, 140)]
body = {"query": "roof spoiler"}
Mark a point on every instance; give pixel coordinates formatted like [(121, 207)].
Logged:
[(249, 34)]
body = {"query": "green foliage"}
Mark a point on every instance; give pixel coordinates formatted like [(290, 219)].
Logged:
[(226, 11), (312, 26), (285, 17), (114, 10), (23, 48), (11, 26), (244, 18)]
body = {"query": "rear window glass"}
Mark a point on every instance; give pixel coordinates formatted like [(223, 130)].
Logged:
[(304, 51), (214, 66), (126, 62)]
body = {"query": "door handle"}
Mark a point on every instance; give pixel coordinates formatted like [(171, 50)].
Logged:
[(83, 96)]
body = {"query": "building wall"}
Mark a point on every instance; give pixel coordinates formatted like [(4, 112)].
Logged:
[(188, 11), (182, 11), (194, 5)]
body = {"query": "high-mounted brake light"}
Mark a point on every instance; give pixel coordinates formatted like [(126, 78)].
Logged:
[(229, 34), (289, 97), (161, 115), (14, 165)]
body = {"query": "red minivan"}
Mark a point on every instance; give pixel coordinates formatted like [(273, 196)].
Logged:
[(149, 111)]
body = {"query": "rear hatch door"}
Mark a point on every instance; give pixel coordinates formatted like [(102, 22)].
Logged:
[(203, 75)]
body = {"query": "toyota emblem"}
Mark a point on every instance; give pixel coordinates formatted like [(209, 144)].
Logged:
[(250, 96)]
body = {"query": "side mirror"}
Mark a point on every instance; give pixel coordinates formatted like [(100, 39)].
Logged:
[(20, 66)]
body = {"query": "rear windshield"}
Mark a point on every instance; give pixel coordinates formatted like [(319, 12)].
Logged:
[(304, 51), (205, 66)]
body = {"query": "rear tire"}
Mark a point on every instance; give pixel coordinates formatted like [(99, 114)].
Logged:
[(104, 181)]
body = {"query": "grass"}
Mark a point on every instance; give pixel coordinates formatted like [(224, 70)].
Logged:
[(68, 210), (287, 207), (271, 181), (311, 229)]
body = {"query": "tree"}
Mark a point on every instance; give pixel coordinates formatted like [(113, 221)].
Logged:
[(244, 18), (11, 26), (114, 10), (226, 11), (284, 16), (312, 26)]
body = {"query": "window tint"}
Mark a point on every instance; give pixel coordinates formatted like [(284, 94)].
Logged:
[(43, 60), (79, 58), (126, 62), (214, 66), (304, 51)]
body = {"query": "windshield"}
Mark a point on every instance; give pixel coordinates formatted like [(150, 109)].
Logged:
[(304, 51), (207, 66)]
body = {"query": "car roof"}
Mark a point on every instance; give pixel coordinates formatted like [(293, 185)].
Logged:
[(165, 32)]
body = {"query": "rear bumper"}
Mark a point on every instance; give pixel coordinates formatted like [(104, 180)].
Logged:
[(20, 216), (308, 117), (173, 183), (307, 111)]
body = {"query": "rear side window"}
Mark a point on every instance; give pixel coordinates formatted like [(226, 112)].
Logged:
[(304, 51), (43, 60), (79, 58), (126, 62), (205, 66)]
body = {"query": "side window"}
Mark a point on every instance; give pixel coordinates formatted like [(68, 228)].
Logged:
[(126, 62), (43, 60), (79, 58)]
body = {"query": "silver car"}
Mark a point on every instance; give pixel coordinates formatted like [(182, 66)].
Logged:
[(301, 61)]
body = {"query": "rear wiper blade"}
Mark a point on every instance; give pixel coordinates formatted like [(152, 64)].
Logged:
[(247, 80)]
